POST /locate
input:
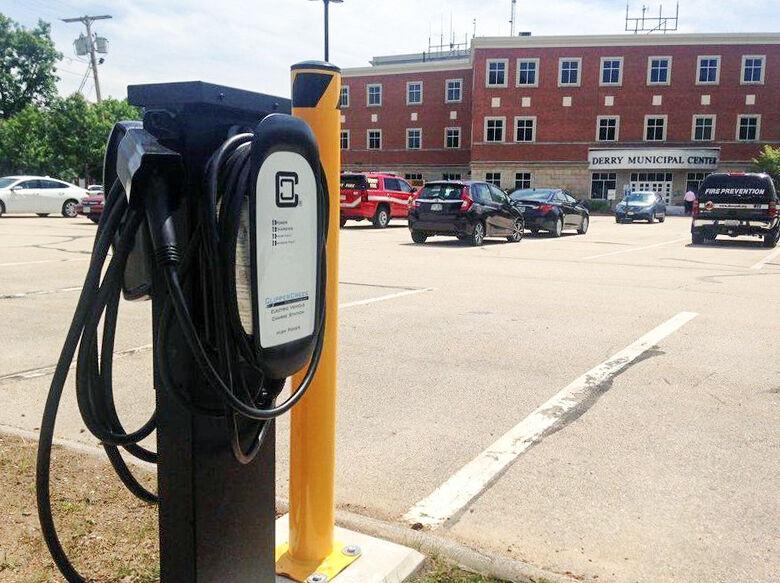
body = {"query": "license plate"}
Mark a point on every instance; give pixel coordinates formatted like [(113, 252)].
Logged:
[(731, 223), (436, 206), (85, 209)]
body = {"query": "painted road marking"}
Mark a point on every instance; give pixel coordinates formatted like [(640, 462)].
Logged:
[(43, 292), (621, 251), (49, 370), (44, 261), (452, 497), (765, 260)]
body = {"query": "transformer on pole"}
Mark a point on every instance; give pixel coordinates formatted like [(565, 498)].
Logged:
[(91, 44)]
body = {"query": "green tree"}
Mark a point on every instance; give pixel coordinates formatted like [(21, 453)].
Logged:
[(24, 146), (27, 66), (769, 161)]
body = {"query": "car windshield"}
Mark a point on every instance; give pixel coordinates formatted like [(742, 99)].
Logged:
[(6, 182), (441, 191), (354, 182), (531, 194), (640, 197)]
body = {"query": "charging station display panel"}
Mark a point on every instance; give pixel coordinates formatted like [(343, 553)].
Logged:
[(286, 251)]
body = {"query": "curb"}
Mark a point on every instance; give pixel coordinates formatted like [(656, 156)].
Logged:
[(427, 543)]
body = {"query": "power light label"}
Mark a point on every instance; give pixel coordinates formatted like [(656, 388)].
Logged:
[(286, 249)]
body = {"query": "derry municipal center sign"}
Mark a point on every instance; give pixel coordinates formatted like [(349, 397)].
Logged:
[(654, 159)]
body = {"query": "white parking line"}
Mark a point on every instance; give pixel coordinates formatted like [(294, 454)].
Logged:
[(765, 260), (407, 292), (475, 477), (43, 292), (621, 251), (44, 261)]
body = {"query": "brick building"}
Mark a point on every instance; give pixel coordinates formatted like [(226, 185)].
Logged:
[(595, 114)]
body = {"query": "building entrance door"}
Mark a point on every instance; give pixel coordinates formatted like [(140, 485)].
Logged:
[(660, 182)]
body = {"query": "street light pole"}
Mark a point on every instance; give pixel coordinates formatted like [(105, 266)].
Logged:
[(327, 25)]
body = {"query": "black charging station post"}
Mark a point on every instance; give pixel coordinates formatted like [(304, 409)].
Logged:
[(216, 515)]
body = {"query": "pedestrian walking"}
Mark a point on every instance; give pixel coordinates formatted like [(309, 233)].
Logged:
[(690, 196)]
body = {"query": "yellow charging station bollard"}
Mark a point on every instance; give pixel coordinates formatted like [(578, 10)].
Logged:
[(312, 553)]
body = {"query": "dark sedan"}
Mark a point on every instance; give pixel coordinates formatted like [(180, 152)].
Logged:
[(469, 210), (641, 206), (552, 210)]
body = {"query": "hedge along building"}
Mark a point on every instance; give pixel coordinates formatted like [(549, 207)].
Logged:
[(595, 114)]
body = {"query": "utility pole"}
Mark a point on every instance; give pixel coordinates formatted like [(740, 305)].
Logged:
[(87, 21), (327, 24)]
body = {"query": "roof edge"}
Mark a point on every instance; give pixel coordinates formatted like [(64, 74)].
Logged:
[(627, 39)]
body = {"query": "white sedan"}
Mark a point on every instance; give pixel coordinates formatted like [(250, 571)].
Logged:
[(40, 195)]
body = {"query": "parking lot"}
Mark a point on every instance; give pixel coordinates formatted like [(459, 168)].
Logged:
[(660, 465)]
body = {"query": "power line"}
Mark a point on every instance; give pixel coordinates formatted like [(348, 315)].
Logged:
[(87, 22)]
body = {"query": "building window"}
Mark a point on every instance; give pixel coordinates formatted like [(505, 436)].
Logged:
[(607, 129), (694, 180), (413, 138), (525, 129), (344, 139), (452, 138), (494, 129), (493, 178), (523, 180), (451, 176), (753, 69), (527, 72), (496, 73), (374, 95), (454, 92), (659, 70), (611, 70), (703, 128), (601, 183), (748, 128), (374, 139), (344, 97), (655, 128), (414, 93), (708, 70), (416, 176), (569, 72)]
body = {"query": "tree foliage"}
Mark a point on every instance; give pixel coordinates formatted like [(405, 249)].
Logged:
[(27, 66), (66, 139), (769, 161)]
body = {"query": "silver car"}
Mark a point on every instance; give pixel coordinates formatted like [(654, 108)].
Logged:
[(40, 195)]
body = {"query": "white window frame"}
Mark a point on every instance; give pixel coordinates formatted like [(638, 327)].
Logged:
[(699, 59), (446, 91), (650, 68), (349, 139), (409, 84), (601, 72), (368, 93), (742, 116), (487, 72), (407, 138), (578, 60), (344, 90), (533, 129), (534, 60), (666, 127), (617, 128), (460, 137), (368, 138), (742, 70), (698, 116), (485, 129)]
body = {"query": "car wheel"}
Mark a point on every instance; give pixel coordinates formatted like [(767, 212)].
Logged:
[(42, 214), (381, 218), (770, 239), (651, 220), (342, 222), (2, 208), (419, 237), (662, 218), (618, 221), (94, 218), (478, 235), (558, 230), (584, 227), (69, 209), (517, 231), (697, 238)]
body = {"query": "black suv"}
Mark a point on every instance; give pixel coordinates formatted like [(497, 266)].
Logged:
[(736, 204), (469, 210)]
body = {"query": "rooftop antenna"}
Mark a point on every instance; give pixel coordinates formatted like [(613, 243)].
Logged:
[(474, 34), (512, 18), (650, 24)]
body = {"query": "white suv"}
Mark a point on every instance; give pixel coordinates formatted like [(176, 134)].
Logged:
[(40, 195)]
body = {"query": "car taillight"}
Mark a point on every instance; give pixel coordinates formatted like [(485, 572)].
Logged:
[(466, 199), (695, 212), (772, 209), (544, 208)]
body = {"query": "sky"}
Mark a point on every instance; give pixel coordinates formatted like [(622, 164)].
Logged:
[(251, 44)]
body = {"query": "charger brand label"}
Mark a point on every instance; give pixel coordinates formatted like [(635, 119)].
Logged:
[(286, 249)]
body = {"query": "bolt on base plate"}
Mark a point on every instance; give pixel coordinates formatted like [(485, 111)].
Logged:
[(326, 570)]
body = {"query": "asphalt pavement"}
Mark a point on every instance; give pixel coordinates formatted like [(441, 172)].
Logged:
[(659, 467)]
